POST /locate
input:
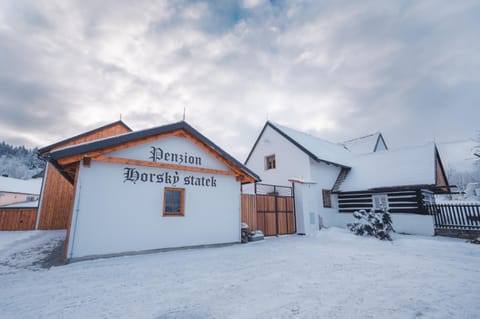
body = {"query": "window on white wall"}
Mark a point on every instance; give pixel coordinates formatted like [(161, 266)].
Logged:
[(173, 201), (380, 201), (428, 197), (270, 162), (327, 198)]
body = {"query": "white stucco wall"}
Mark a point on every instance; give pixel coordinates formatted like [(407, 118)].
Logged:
[(290, 160), (112, 215), (325, 176), (306, 206), (173, 144), (413, 224)]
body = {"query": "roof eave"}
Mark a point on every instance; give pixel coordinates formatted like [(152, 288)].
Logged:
[(132, 136), (302, 148), (432, 187), (48, 148)]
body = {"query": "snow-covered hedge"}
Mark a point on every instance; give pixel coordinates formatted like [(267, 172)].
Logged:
[(377, 224)]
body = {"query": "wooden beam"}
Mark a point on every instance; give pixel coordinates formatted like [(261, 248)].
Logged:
[(127, 161), (69, 225), (179, 133), (78, 157), (214, 154)]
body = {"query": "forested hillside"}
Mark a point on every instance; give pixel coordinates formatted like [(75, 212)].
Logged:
[(19, 162)]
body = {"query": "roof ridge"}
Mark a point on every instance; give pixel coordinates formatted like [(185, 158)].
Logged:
[(361, 137), (308, 134), (399, 149)]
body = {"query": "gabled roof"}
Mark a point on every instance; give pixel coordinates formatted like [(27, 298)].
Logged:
[(365, 144), (316, 148), (139, 135), (401, 167), (82, 135)]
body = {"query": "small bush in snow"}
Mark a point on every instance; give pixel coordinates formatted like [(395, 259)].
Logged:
[(371, 223)]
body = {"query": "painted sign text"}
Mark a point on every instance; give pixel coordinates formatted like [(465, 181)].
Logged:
[(134, 176), (157, 154)]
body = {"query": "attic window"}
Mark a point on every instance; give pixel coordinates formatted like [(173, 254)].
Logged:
[(380, 201), (173, 201), (270, 162)]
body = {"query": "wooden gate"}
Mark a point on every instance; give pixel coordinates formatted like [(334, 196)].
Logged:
[(271, 210)]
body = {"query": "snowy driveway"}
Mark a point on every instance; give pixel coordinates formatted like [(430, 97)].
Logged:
[(333, 275), (31, 250)]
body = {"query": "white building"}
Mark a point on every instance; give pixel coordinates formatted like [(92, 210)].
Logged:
[(165, 187), (332, 180), (19, 192)]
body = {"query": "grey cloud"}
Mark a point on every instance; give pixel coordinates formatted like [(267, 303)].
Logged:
[(337, 69)]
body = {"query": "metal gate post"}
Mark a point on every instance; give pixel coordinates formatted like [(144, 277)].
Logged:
[(294, 208), (276, 209)]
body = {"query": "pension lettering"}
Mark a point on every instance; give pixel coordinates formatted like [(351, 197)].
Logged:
[(157, 154), (133, 175)]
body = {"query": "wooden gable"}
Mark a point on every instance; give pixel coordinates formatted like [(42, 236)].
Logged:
[(103, 154), (57, 194), (112, 129), (440, 177)]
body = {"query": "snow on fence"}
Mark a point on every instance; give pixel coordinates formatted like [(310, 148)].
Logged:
[(456, 216), (18, 218)]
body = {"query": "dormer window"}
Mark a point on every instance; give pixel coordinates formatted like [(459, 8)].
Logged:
[(270, 162)]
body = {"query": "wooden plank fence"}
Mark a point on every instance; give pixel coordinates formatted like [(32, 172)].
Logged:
[(455, 216), (249, 210), (57, 201), (273, 215), (18, 218)]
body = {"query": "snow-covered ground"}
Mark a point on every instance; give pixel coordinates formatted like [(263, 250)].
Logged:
[(31, 250), (332, 275)]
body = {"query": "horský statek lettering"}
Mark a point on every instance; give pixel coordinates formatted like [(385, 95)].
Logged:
[(134, 175)]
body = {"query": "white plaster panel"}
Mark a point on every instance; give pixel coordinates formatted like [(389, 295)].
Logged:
[(413, 224), (179, 147), (113, 216), (325, 176), (290, 160)]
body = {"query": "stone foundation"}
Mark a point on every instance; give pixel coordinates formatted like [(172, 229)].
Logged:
[(458, 233)]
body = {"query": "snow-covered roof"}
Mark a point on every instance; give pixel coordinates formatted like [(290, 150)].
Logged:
[(14, 185), (363, 145), (321, 149), (401, 167), (458, 154), (33, 203)]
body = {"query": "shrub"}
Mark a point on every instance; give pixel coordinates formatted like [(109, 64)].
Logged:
[(377, 224)]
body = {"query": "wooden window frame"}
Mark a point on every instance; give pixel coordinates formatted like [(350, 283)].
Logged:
[(380, 195), (267, 161), (326, 193), (182, 201)]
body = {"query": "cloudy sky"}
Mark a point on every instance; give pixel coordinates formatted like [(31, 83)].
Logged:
[(336, 69)]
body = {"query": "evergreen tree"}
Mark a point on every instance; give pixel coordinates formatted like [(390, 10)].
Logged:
[(371, 223), (19, 162)]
